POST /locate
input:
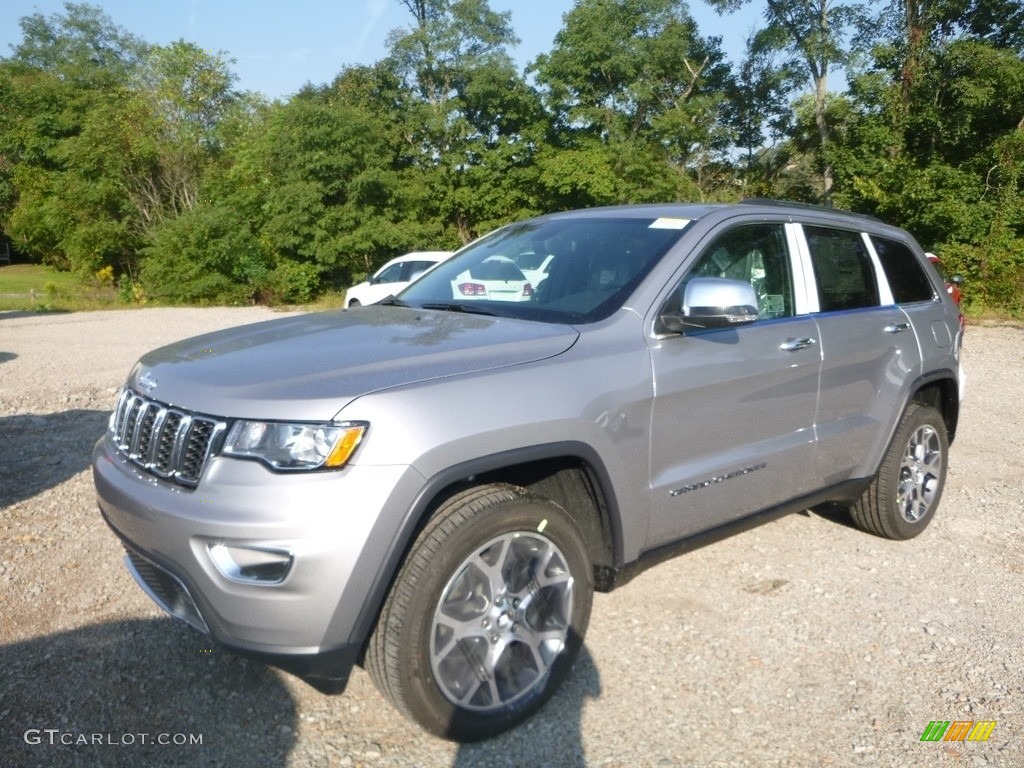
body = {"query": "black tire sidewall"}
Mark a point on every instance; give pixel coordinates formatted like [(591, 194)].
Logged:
[(915, 418), (425, 701)]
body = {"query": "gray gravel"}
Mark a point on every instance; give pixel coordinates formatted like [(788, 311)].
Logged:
[(801, 643)]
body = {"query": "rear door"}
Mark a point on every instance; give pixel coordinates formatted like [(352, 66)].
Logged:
[(913, 288), (732, 426), (869, 353)]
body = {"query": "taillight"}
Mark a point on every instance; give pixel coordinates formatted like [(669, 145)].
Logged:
[(472, 289), (527, 290)]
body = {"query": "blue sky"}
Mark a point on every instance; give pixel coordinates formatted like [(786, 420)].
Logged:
[(279, 46)]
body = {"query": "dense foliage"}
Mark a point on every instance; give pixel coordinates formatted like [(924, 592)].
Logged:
[(147, 160)]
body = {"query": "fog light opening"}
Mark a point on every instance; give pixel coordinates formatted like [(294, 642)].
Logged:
[(249, 565)]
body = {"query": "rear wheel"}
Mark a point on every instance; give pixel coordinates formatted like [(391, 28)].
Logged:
[(905, 492), (486, 615)]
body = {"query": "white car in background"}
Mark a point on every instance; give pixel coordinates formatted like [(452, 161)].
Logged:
[(534, 266), (394, 277), (496, 278)]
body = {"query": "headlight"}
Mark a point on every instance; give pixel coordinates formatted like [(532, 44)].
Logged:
[(294, 446)]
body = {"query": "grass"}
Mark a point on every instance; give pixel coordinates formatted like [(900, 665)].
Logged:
[(34, 287), (40, 288), (323, 303), (985, 316)]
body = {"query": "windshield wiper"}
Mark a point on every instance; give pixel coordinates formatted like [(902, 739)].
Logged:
[(469, 309), (391, 301)]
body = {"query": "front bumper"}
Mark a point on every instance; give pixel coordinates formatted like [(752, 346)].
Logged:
[(327, 671), (331, 527)]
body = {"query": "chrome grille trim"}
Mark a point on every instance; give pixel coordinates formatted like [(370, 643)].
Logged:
[(167, 442)]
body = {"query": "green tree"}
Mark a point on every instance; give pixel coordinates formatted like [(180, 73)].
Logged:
[(758, 110), (315, 183), (183, 94), (942, 157), (474, 124), (61, 201), (82, 45), (909, 34), (636, 89), (818, 33), (106, 139)]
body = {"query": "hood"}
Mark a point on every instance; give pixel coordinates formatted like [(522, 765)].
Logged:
[(309, 367)]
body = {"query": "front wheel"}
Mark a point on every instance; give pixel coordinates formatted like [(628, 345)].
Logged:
[(904, 493), (486, 615)]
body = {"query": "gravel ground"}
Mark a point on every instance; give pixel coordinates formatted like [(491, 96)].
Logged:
[(801, 643)]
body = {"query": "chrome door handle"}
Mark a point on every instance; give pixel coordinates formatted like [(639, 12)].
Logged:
[(897, 327), (795, 344)]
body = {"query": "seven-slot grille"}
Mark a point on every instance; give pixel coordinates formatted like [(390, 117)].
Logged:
[(167, 442)]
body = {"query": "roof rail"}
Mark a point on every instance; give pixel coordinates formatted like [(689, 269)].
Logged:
[(806, 206)]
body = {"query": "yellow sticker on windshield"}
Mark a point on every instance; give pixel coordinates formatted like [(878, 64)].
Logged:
[(668, 223)]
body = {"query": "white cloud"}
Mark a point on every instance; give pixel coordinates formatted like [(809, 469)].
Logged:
[(375, 10), (301, 55)]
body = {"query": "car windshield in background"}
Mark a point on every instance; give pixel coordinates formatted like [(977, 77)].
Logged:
[(560, 270)]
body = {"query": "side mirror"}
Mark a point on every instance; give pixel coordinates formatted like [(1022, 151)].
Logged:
[(713, 302)]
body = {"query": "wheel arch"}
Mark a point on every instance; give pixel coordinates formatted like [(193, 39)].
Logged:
[(940, 390), (571, 474)]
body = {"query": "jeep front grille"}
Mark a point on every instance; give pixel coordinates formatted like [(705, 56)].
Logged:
[(166, 442)]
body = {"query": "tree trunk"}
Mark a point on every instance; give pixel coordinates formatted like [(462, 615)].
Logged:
[(820, 92)]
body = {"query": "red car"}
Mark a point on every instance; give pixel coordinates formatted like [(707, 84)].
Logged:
[(952, 284)]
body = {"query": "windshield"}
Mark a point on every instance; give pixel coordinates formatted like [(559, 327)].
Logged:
[(565, 270)]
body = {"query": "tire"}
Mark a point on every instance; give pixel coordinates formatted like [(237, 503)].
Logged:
[(905, 492), (486, 615), (354, 303)]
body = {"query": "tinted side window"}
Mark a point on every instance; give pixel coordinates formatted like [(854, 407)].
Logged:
[(905, 273), (842, 269), (390, 275), (756, 253)]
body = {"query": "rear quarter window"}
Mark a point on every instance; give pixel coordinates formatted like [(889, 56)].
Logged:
[(904, 271)]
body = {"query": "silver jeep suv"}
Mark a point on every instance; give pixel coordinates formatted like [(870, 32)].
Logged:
[(434, 486)]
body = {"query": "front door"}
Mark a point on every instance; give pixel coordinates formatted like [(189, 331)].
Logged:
[(732, 423)]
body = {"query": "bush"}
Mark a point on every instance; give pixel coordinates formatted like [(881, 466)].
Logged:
[(291, 283), (129, 291), (993, 274), (205, 256)]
